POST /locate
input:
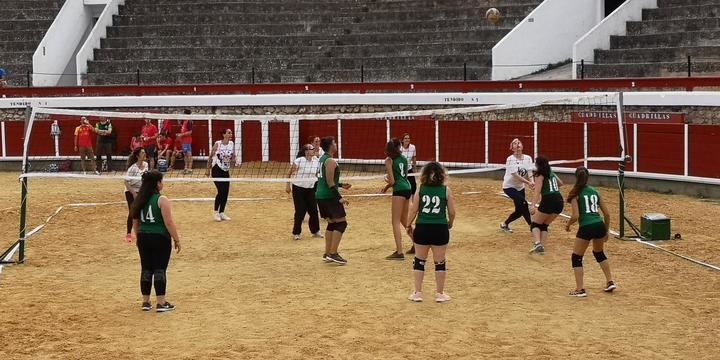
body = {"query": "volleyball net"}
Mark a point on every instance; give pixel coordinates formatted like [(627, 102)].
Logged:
[(95, 144)]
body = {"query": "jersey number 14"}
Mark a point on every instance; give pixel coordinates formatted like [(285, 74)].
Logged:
[(147, 218)]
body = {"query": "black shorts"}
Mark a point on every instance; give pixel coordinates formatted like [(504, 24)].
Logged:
[(331, 208), (404, 193), (551, 204), (431, 234), (593, 231), (150, 151)]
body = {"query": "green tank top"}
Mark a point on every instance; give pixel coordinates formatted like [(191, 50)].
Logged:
[(589, 206), (323, 190), (400, 168), (433, 205), (550, 185), (151, 219)]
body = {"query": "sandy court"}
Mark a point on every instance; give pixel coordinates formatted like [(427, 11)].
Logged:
[(244, 289)]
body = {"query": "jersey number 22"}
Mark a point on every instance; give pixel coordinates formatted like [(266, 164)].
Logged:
[(429, 202)]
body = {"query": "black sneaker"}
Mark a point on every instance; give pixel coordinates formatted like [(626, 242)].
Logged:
[(411, 251), (326, 258), (395, 256), (336, 258), (610, 286), (146, 306), (165, 307), (578, 293)]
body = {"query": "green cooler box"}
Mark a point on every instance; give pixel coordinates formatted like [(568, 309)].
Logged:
[(655, 226)]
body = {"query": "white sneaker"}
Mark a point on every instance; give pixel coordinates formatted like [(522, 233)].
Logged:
[(296, 237), (97, 172), (224, 217), (415, 297), (217, 217), (442, 297), (318, 235)]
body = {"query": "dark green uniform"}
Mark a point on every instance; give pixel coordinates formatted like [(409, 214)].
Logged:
[(433, 205), (550, 185), (399, 168), (151, 219), (323, 190), (589, 204)]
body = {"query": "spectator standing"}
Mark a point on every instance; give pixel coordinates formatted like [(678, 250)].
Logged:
[(148, 134), (83, 144), (104, 144), (185, 136)]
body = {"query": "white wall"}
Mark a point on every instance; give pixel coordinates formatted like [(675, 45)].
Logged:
[(99, 31), (544, 37), (58, 45), (614, 24)]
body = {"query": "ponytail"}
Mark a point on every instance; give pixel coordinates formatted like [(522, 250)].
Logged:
[(581, 179), (149, 185)]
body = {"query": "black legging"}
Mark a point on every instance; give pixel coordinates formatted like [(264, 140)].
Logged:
[(521, 206), (129, 198), (304, 201), (413, 185), (223, 188), (155, 252)]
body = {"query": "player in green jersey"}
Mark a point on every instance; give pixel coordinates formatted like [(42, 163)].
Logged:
[(154, 227), (330, 203), (434, 206), (547, 194), (396, 167), (586, 206)]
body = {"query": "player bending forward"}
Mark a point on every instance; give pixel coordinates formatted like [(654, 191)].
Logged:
[(330, 202), (586, 202), (432, 231), (551, 203)]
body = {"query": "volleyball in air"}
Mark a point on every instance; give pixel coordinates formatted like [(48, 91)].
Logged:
[(493, 15)]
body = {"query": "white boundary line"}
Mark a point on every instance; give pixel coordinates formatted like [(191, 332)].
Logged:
[(615, 233)]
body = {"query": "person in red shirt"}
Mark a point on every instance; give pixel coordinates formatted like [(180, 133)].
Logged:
[(148, 134), (177, 152), (83, 143), (185, 135), (164, 146)]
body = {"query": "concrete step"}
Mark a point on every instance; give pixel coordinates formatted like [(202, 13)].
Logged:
[(16, 56), (674, 69), (655, 55), (12, 46), (302, 66), (671, 3), (323, 42), (19, 25), (22, 35), (668, 26), (29, 14), (373, 50), (681, 12), (690, 38), (34, 4)]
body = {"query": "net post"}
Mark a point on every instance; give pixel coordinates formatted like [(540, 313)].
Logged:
[(621, 166), (23, 189)]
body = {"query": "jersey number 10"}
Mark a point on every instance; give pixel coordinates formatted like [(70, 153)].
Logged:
[(591, 204), (553, 184), (429, 202)]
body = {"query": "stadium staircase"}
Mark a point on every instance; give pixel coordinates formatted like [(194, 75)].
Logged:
[(660, 44), (23, 24), (234, 41)]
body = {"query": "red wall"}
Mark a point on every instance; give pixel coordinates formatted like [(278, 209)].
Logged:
[(501, 133), (279, 141), (703, 140), (661, 148), (252, 141), (467, 144), (363, 139), (422, 135), (559, 141), (321, 128)]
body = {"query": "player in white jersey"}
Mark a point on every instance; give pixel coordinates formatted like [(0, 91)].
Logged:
[(221, 159), (517, 176)]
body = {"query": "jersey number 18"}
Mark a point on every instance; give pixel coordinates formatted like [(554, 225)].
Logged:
[(591, 204)]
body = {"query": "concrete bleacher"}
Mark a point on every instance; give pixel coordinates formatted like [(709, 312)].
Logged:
[(660, 44), (23, 24), (234, 41)]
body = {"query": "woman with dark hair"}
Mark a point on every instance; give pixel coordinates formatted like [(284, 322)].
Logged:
[(586, 206), (136, 167), (221, 159), (396, 167), (551, 203), (408, 150), (514, 182), (303, 191), (434, 207), (330, 202), (154, 227)]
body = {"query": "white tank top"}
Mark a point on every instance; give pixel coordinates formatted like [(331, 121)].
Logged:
[(223, 155)]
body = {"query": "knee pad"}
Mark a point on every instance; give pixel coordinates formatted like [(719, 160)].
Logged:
[(440, 266), (534, 225), (330, 227), (576, 260), (159, 275), (543, 227), (341, 226), (600, 256), (146, 276), (419, 264)]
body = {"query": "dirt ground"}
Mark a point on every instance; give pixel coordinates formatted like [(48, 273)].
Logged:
[(245, 290)]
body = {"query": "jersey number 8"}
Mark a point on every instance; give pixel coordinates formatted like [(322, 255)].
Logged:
[(428, 202)]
